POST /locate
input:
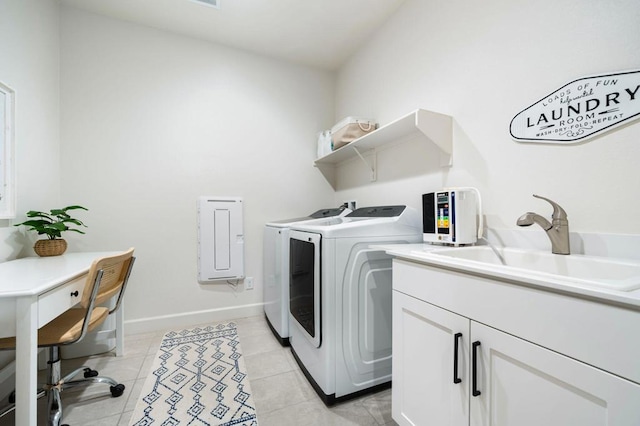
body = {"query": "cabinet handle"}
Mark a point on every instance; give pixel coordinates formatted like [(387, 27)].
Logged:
[(456, 339), (75, 293), (474, 368)]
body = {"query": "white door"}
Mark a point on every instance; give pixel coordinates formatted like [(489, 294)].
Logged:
[(427, 388), (522, 384)]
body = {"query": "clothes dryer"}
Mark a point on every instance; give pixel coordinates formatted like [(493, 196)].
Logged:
[(276, 269), (340, 298)]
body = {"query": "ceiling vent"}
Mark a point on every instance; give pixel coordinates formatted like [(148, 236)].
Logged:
[(210, 3)]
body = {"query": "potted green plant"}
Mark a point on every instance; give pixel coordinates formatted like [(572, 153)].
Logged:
[(52, 224)]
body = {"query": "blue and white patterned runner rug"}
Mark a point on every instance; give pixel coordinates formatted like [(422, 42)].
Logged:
[(198, 378)]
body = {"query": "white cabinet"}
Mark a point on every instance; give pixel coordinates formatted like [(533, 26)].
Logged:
[(524, 384), (516, 382), (423, 391)]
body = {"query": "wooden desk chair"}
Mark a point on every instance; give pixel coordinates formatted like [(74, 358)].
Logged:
[(107, 278)]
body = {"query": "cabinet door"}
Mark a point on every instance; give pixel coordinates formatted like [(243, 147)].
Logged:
[(527, 385), (423, 391)]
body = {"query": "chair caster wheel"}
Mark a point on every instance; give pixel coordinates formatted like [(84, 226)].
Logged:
[(117, 390), (90, 373)]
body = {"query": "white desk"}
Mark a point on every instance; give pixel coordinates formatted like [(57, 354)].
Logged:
[(33, 291)]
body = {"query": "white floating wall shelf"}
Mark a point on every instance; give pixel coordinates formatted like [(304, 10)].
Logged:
[(433, 127)]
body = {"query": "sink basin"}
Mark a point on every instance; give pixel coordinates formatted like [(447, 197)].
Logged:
[(614, 274)]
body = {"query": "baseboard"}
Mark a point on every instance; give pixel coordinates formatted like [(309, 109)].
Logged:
[(187, 319)]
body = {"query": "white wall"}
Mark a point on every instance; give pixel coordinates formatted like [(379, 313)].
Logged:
[(483, 62), (152, 120), (29, 64)]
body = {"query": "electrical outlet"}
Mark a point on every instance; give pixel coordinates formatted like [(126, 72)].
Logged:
[(248, 283)]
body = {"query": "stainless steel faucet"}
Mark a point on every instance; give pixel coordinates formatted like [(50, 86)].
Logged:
[(557, 230)]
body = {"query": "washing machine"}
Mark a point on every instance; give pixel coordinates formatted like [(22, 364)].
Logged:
[(340, 298), (276, 269)]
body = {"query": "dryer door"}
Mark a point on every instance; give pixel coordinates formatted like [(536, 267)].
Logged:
[(366, 316), (304, 284)]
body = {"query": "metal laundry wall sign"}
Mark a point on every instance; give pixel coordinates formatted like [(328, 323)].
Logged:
[(580, 109)]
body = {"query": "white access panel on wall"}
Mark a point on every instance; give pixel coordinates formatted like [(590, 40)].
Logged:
[(220, 239)]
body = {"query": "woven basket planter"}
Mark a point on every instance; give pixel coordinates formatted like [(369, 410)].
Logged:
[(55, 247)]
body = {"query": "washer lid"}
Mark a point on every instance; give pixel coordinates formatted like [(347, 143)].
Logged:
[(320, 214), (379, 211), (368, 222), (328, 212)]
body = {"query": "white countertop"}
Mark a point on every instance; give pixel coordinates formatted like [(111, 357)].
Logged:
[(420, 253)]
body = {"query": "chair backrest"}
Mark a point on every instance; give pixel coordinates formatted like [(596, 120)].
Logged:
[(107, 278), (110, 273)]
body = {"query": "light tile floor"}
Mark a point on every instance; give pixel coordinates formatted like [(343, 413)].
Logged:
[(282, 394)]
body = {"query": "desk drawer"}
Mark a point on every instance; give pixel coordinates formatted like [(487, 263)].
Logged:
[(56, 301)]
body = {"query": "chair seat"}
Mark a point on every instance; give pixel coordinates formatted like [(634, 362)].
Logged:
[(63, 329)]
